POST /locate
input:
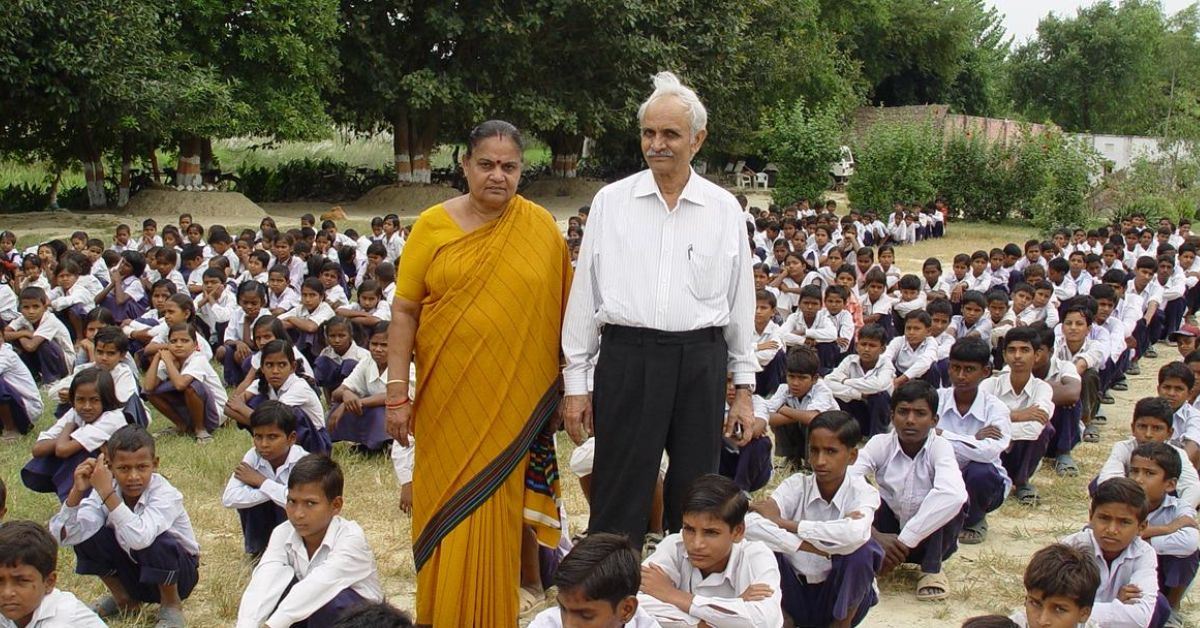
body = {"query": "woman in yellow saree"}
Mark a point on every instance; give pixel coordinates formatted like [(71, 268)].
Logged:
[(480, 292)]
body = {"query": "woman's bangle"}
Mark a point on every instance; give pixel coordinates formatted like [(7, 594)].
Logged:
[(397, 381), (399, 404)]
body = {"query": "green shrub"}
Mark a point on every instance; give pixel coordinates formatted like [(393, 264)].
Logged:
[(1052, 180), (802, 142), (976, 178), (895, 162)]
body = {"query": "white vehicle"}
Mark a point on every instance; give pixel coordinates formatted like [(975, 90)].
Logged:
[(842, 169)]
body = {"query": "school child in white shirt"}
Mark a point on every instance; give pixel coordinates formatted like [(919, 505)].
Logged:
[(913, 354), (40, 339), (281, 297), (303, 322), (177, 309), (1144, 286), (769, 346), (887, 264), (1120, 340), (370, 309), (129, 527), (1151, 424), (1078, 273), (357, 414), (812, 326), (393, 237), (971, 323), (296, 268), (876, 303), (843, 320), (1175, 383), (125, 296), (1115, 520), (277, 379), (165, 261), (819, 526), (238, 342), (340, 355), (29, 555), (1041, 309), (1060, 589), (20, 402), (257, 489), (605, 564), (93, 415), (1171, 528), (314, 568), (732, 580), (182, 385), (908, 289), (1000, 318), (978, 278), (997, 271), (331, 278), (1030, 406), (214, 306), (920, 487), (933, 284), (1172, 281), (862, 382), (794, 404), (977, 424)]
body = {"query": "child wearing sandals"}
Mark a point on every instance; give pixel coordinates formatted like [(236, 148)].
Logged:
[(278, 380), (182, 385), (921, 489), (29, 558), (93, 417), (128, 526), (40, 339), (1030, 407)]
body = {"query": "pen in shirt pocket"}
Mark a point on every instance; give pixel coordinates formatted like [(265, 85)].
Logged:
[(689, 252)]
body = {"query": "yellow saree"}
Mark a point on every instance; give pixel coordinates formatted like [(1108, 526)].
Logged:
[(487, 357)]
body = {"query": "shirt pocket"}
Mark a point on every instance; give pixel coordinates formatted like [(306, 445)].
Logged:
[(708, 275)]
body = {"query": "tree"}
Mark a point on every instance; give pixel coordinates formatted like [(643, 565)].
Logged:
[(802, 142)]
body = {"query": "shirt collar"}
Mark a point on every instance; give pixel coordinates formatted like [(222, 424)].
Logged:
[(839, 497), (976, 410), (331, 533), (646, 186)]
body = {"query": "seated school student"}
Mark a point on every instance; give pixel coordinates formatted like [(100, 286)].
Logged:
[(317, 565), (277, 379), (20, 401), (109, 353), (124, 295), (748, 465), (1171, 524), (370, 308), (1086, 354), (1128, 595), (819, 527), (769, 348), (238, 343), (914, 353), (921, 489), (29, 558), (177, 309), (876, 304), (941, 311), (1151, 424), (214, 306), (1065, 387), (862, 382), (257, 489), (40, 339), (357, 414), (1060, 589), (340, 355), (1030, 407), (304, 321), (1175, 383), (93, 416), (794, 404), (712, 573), (910, 299), (971, 323), (182, 385), (598, 584), (977, 424), (281, 296), (128, 526)]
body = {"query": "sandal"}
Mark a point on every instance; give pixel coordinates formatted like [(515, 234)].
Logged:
[(107, 606), (528, 602), (170, 618), (9, 438), (1064, 466), (1133, 369), (1120, 386), (1151, 353), (1107, 399), (1091, 434), (1027, 495), (169, 431), (1100, 419), (933, 587), (973, 535), (205, 439)]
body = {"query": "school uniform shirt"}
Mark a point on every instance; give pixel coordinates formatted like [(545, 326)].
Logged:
[(295, 393), (90, 435), (318, 316), (355, 352), (382, 310), (911, 362), (10, 305), (1181, 543), (980, 283), (21, 381), (983, 326), (158, 510), (1064, 289), (795, 330), (336, 297), (1136, 565), (395, 246), (1000, 327), (221, 310), (882, 307), (1185, 425), (297, 269), (1091, 352), (960, 429), (1083, 283), (194, 277), (161, 333), (287, 300), (176, 278), (77, 295), (942, 285), (1117, 466), (59, 609), (1130, 310), (892, 273), (770, 333), (925, 492), (1115, 329), (233, 331), (246, 275), (843, 321), (945, 341), (902, 307), (1152, 293), (1047, 314), (819, 398), (826, 525), (786, 302), (343, 561), (716, 598), (133, 288), (1035, 393), (51, 330), (199, 368), (240, 495), (999, 276), (552, 618), (366, 379), (1174, 287)]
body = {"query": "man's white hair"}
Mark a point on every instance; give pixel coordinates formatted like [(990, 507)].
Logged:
[(667, 84)]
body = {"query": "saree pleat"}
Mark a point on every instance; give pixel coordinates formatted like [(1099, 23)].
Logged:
[(487, 355)]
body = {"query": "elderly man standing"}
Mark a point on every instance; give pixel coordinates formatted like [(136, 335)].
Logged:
[(663, 277)]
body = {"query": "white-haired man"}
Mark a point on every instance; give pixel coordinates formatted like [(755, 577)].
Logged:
[(664, 278)]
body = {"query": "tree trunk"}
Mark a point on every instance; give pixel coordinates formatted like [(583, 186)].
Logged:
[(208, 163), (123, 187), (187, 174), (566, 150), (424, 135), (402, 159), (154, 169), (53, 202)]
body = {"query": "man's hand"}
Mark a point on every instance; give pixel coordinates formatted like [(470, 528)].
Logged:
[(335, 417), (990, 431), (894, 552), (577, 416), (656, 583), (248, 475), (757, 591), (1129, 594), (406, 498), (740, 413)]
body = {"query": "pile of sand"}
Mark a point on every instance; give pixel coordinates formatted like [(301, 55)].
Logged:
[(205, 207), (400, 199)]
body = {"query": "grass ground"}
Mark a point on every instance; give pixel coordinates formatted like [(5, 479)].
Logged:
[(984, 578)]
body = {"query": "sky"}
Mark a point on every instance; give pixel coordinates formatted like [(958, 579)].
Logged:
[(1021, 16)]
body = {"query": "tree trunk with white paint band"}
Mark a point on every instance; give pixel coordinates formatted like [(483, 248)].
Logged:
[(187, 174), (126, 166), (93, 176)]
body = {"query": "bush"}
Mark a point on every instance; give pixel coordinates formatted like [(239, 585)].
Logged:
[(1052, 176), (976, 178), (1164, 188), (803, 143), (309, 179), (895, 162)]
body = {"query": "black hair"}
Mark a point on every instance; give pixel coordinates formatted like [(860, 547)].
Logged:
[(275, 325), (997, 295), (1115, 276), (1154, 407), (714, 495), (129, 438), (1177, 370), (185, 303), (1083, 310), (1163, 455), (379, 328), (843, 426), (494, 128), (976, 297), (873, 331), (909, 282), (1062, 570), (939, 306), (374, 615), (318, 469), (1023, 334), (1059, 265), (112, 335), (314, 284), (28, 543), (810, 291), (251, 286), (1121, 491), (932, 261), (273, 412), (105, 387), (136, 262), (803, 360), (279, 345), (989, 621), (165, 284), (1146, 261), (167, 255), (601, 567), (760, 295), (921, 316), (214, 273), (1192, 357), (973, 350), (336, 321), (99, 314), (839, 291), (1102, 291), (916, 390)]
